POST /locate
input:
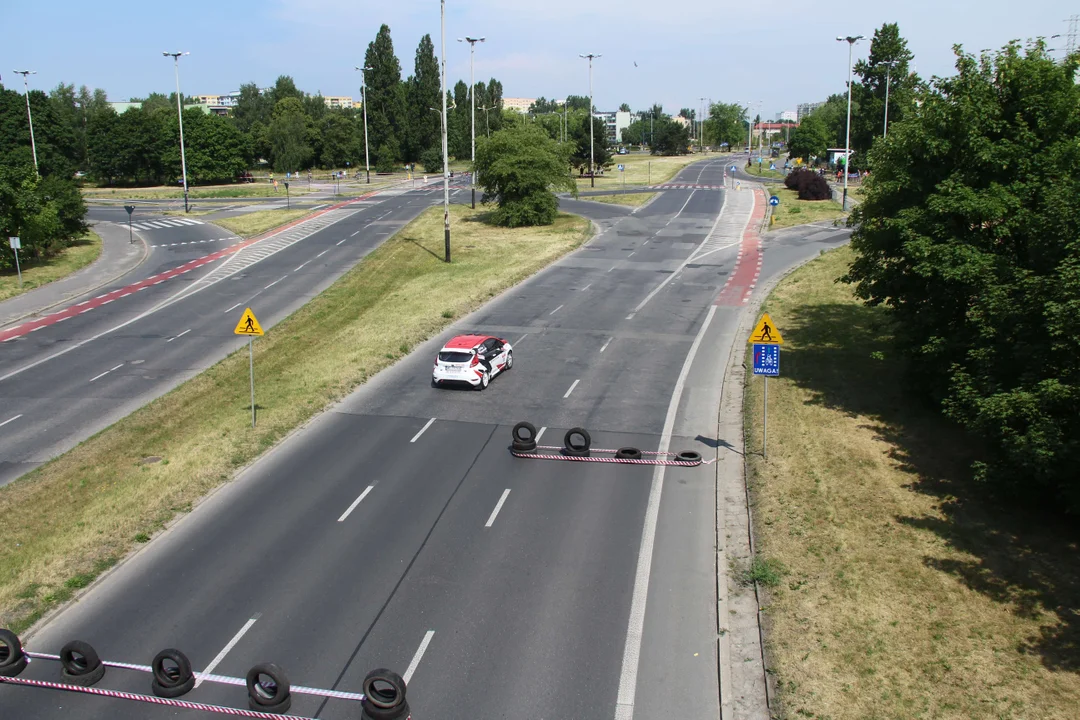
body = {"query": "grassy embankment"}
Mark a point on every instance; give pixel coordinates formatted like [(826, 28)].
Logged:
[(255, 223), (896, 591), (640, 170), (72, 518), (793, 211), (36, 273), (628, 199)]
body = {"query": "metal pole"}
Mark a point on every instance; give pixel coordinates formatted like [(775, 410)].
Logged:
[(445, 150), (251, 373), (765, 424), (367, 159), (17, 268), (888, 76), (592, 139), (847, 142), (130, 238), (180, 114), (29, 117), (472, 94)]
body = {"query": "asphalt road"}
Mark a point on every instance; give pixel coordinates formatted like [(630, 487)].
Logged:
[(397, 530), (135, 340)]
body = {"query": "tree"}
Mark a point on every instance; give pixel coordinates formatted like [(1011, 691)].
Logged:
[(214, 149), (341, 139), (868, 95), (424, 92), (725, 124), (253, 106), (46, 213), (809, 140), (542, 105), (458, 110), (672, 138), (57, 145), (578, 102), (386, 100), (580, 139), (290, 148), (968, 236), (624, 107), (519, 169)]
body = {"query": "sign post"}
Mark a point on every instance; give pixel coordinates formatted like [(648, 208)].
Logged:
[(15, 244), (250, 327), (288, 200), (622, 171), (130, 209), (766, 340)]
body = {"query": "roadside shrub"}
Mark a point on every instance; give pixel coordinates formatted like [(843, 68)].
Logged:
[(431, 159), (791, 182), (814, 187)]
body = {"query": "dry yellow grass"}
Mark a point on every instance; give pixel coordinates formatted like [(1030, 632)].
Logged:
[(71, 518), (628, 199), (904, 596), (254, 223), (36, 273)]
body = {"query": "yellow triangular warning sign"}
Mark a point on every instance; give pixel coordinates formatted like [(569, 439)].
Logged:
[(248, 325), (766, 333)]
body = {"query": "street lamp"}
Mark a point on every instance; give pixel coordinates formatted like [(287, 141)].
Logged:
[(363, 93), (701, 128), (487, 120), (592, 142), (888, 76), (445, 150), (29, 117), (850, 40), (472, 93), (179, 112)]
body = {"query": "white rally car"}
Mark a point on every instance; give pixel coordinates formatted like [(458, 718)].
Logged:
[(473, 360)]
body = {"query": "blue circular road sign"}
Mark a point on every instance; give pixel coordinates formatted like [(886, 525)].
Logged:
[(774, 201)]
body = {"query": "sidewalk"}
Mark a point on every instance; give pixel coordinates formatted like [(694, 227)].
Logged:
[(118, 257)]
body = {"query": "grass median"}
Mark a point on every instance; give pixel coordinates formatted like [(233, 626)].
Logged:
[(36, 273), (73, 517), (643, 170), (896, 592), (628, 199), (792, 211), (255, 223)]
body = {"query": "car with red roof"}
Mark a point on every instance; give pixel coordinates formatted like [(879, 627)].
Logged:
[(472, 360)]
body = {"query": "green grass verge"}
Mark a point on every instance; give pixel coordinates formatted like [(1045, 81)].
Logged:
[(642, 170), (628, 199), (36, 273), (792, 211), (255, 223), (247, 190), (73, 517), (903, 594)]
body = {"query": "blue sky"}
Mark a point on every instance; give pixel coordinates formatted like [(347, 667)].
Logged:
[(780, 53)]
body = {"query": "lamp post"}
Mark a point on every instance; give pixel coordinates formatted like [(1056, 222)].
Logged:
[(888, 76), (487, 120), (29, 117), (701, 127), (850, 40), (180, 113), (86, 140), (472, 93), (445, 151), (592, 141), (363, 93)]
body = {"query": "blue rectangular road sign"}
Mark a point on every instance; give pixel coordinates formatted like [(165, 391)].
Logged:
[(767, 360)]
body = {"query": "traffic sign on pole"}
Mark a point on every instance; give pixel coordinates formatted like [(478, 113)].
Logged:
[(249, 326), (15, 244), (767, 360), (774, 201), (765, 332)]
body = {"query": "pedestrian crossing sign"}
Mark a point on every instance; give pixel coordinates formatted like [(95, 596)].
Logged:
[(248, 325), (765, 333)]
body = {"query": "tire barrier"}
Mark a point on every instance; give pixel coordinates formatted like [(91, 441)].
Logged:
[(524, 437), (384, 696), (628, 453), (12, 658), (577, 449), (689, 456), (268, 689), (81, 664), (172, 674)]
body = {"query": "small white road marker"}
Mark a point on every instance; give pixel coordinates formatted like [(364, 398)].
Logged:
[(604, 346), (426, 426), (418, 656), (556, 310), (98, 377), (540, 434), (234, 307), (179, 336), (498, 507), (11, 420), (571, 389), (355, 503)]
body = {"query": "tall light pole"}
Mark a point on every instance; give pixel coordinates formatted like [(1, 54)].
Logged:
[(592, 141), (363, 94), (888, 77), (487, 120), (472, 93), (701, 128), (180, 113), (29, 117), (445, 151), (850, 40)]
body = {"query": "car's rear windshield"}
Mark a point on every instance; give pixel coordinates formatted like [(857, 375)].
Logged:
[(455, 357)]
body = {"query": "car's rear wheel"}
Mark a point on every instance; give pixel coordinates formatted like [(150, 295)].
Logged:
[(509, 360), (485, 380)]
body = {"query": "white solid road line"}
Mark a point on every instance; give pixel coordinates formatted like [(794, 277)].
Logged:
[(522, 338), (275, 282), (556, 310), (624, 704), (355, 503), (225, 650), (571, 389), (604, 346), (321, 254), (407, 676), (540, 434), (179, 336), (355, 234), (426, 426), (342, 240), (301, 267), (11, 420), (234, 307), (498, 507), (97, 377)]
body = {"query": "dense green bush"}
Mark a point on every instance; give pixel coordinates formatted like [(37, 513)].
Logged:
[(519, 168)]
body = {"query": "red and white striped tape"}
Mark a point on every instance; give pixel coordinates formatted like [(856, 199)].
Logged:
[(147, 698), (604, 450), (206, 677), (544, 456)]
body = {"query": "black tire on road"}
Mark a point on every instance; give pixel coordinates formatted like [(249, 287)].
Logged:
[(271, 691), (628, 453), (276, 709), (577, 449), (81, 664), (485, 380), (689, 456), (384, 696), (12, 658), (509, 361), (524, 434), (175, 675), (172, 691)]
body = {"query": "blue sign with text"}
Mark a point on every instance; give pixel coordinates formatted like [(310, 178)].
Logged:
[(767, 360)]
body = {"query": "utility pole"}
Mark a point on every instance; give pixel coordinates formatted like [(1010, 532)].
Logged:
[(472, 93), (592, 141), (850, 40), (888, 77), (701, 127), (445, 151), (363, 93), (29, 117), (180, 113)]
